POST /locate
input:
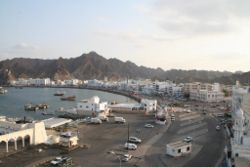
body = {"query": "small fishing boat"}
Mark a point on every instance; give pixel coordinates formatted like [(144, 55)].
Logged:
[(43, 106), (33, 107), (69, 98), (58, 93), (30, 107), (47, 113)]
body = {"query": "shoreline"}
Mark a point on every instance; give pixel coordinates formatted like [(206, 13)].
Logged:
[(126, 94)]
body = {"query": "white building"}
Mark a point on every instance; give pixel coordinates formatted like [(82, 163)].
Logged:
[(94, 83), (126, 107), (178, 148), (72, 82), (32, 82), (207, 96), (205, 92), (149, 105), (68, 139), (92, 107), (240, 142), (55, 122), (12, 132)]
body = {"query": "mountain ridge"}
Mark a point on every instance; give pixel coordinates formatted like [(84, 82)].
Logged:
[(93, 66)]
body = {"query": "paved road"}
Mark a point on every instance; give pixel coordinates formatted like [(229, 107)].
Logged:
[(212, 148), (210, 143)]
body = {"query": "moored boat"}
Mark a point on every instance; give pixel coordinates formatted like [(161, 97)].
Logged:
[(3, 91), (43, 106), (69, 98), (30, 107), (58, 93), (33, 107), (47, 113)]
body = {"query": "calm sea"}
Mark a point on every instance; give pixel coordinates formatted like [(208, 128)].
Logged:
[(12, 103)]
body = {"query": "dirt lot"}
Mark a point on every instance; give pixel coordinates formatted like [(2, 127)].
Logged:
[(100, 139)]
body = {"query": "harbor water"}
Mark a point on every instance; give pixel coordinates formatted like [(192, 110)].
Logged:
[(12, 103)]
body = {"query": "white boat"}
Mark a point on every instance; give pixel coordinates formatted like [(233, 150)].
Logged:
[(62, 111), (3, 91)]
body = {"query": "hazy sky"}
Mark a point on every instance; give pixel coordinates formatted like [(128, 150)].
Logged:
[(182, 34)]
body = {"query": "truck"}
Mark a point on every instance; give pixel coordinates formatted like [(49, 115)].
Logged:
[(95, 120), (120, 120)]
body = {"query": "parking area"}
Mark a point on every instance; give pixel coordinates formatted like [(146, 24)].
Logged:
[(100, 140), (104, 143)]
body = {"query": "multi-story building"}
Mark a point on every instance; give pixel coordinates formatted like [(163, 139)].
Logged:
[(72, 82), (240, 141), (92, 107), (149, 105), (204, 92)]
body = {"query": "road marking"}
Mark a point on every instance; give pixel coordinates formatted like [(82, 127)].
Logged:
[(190, 117), (189, 122), (191, 128), (188, 114)]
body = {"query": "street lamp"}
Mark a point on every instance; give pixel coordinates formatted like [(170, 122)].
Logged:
[(118, 157)]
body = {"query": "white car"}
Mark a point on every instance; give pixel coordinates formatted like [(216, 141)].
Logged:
[(217, 127), (188, 139), (148, 126), (130, 146), (126, 157), (133, 139)]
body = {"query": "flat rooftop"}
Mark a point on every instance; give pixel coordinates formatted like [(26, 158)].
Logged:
[(55, 122), (125, 105), (178, 144)]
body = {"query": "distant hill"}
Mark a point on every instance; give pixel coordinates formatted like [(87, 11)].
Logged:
[(94, 66), (244, 78)]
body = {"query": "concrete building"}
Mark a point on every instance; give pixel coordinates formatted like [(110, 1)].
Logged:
[(32, 82), (94, 83), (126, 107), (240, 141), (72, 82), (68, 139), (207, 96), (55, 122), (178, 148), (13, 132), (92, 107), (204, 92), (148, 105)]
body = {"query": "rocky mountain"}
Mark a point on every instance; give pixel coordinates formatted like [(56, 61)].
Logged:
[(94, 66), (244, 78)]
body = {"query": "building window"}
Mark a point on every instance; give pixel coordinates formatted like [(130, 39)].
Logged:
[(188, 148), (237, 154), (179, 150), (87, 106)]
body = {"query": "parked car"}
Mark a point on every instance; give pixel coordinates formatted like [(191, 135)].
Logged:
[(95, 120), (120, 120), (218, 127), (172, 118), (188, 139), (134, 139), (148, 126), (103, 118), (126, 157), (130, 146)]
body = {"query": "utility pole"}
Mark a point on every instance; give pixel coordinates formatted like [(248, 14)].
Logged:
[(128, 132), (128, 137)]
